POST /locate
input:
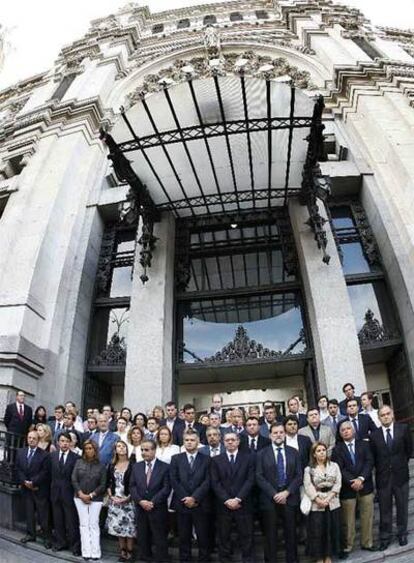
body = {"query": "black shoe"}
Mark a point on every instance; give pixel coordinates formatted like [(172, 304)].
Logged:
[(402, 540), (344, 555), (27, 538), (384, 545), (372, 548), (77, 552)]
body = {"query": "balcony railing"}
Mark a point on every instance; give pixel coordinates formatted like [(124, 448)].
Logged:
[(9, 444)]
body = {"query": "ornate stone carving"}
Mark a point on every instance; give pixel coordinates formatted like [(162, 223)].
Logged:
[(103, 276), (212, 41), (243, 349), (373, 331), (114, 354), (366, 235), (248, 63)]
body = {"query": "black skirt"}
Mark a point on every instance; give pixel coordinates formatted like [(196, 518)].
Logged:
[(324, 533)]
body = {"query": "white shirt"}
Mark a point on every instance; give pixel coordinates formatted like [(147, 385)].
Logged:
[(323, 414), (384, 431), (101, 438), (256, 439), (214, 451), (234, 454), (170, 423), (292, 441), (64, 455), (165, 454)]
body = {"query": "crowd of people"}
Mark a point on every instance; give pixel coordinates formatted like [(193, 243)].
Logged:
[(142, 478)]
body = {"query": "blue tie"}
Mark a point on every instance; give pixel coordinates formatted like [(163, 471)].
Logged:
[(389, 438), (281, 477), (232, 460), (351, 453), (30, 456), (354, 422)]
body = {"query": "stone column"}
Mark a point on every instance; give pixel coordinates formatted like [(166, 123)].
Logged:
[(149, 362), (337, 353)]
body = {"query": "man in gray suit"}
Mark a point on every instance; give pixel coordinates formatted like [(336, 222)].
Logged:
[(316, 432), (335, 417)]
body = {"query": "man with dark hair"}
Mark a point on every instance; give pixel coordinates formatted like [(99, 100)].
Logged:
[(108, 411), (217, 407), (279, 477), (270, 417), (152, 428), (56, 426), (18, 416), (300, 443), (334, 418), (392, 447), (190, 422), (68, 426), (367, 408), (32, 469), (232, 479), (190, 480), (362, 423), (323, 407), (175, 424), (149, 488), (316, 432), (92, 427), (251, 438), (293, 410), (349, 390), (65, 516)]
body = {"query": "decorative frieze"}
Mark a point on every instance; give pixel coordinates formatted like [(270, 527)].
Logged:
[(373, 331)]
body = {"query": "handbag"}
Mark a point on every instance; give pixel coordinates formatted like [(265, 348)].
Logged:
[(305, 502)]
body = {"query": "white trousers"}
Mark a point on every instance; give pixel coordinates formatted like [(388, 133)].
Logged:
[(89, 527)]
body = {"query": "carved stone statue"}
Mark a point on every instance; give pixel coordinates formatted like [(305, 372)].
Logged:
[(212, 40)]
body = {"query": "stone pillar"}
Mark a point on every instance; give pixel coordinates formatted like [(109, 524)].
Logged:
[(337, 353), (149, 363)]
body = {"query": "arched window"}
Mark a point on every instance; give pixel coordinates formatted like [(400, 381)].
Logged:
[(236, 17), (182, 24), (262, 15), (209, 20), (158, 28)]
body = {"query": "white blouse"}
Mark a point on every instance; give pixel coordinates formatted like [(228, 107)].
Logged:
[(165, 454)]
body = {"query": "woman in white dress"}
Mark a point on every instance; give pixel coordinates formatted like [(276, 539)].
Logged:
[(165, 448), (134, 439)]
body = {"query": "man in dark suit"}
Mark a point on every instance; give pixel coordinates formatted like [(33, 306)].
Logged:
[(18, 416), (355, 460), (65, 516), (362, 423), (237, 422), (279, 477), (214, 446), (301, 443), (190, 422), (392, 447), (92, 427), (56, 425), (232, 479), (251, 438), (149, 488), (190, 480), (334, 418), (32, 468), (175, 424), (270, 417), (217, 407), (349, 391), (293, 410)]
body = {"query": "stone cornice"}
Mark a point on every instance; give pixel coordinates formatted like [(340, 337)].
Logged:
[(375, 76)]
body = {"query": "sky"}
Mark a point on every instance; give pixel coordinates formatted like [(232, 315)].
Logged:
[(36, 31)]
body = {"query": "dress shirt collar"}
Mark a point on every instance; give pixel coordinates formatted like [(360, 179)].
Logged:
[(276, 447), (292, 441), (233, 454), (350, 442), (384, 431), (149, 464), (193, 455)]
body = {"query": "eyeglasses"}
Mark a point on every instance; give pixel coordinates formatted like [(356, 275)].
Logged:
[(146, 449)]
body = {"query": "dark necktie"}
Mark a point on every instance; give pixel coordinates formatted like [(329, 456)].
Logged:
[(351, 452), (280, 468), (334, 421), (191, 462), (315, 432), (355, 423), (253, 444), (151, 435), (232, 462), (389, 438), (21, 413), (30, 456), (190, 426), (62, 461)]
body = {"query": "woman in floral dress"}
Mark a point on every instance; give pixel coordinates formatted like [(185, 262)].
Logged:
[(121, 511)]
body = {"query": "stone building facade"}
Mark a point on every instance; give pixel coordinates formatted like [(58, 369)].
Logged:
[(206, 253)]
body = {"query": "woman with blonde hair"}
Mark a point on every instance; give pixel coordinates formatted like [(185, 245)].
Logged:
[(134, 438), (322, 483), (45, 437), (89, 484), (121, 510), (165, 448)]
